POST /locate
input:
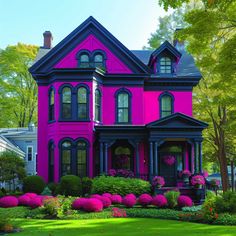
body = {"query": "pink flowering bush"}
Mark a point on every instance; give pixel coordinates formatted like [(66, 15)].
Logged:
[(158, 181), (8, 201), (169, 160), (93, 205), (184, 201), (117, 212), (78, 203), (116, 199), (185, 173), (105, 201), (197, 180), (129, 201), (215, 183), (145, 199), (112, 172), (24, 200), (31, 195), (131, 195), (35, 202), (107, 195), (95, 196), (159, 201)]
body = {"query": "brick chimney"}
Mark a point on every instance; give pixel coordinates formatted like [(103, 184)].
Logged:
[(47, 42)]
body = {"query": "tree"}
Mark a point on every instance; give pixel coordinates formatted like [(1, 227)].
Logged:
[(12, 168), (18, 90), (211, 36)]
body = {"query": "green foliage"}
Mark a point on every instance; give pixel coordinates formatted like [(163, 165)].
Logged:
[(52, 187), (47, 191), (65, 206), (209, 210), (225, 219), (120, 185), (86, 186), (51, 206), (226, 203), (5, 220), (18, 93), (15, 212), (33, 184), (12, 168), (70, 185), (192, 209), (37, 213), (172, 198)]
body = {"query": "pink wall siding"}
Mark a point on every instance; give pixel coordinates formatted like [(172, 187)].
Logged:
[(91, 43)]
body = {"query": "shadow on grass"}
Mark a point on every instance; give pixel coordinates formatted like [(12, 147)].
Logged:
[(124, 226)]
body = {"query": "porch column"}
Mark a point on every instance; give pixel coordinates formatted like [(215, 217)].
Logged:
[(150, 160), (192, 158), (137, 159), (101, 158), (106, 159), (155, 158), (200, 157), (195, 157)]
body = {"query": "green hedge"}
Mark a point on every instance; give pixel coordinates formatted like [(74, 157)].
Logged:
[(120, 185), (33, 184), (70, 185)]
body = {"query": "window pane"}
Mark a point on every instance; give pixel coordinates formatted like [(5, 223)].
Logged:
[(98, 58), (81, 160), (165, 65), (82, 95), (30, 153), (84, 58), (66, 95), (123, 115), (82, 111), (51, 97), (166, 103), (66, 111), (123, 100), (66, 162), (66, 144), (81, 144)]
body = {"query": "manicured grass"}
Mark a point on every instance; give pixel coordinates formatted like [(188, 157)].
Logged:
[(120, 226)]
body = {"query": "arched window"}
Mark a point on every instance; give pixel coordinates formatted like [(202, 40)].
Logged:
[(66, 107), (166, 104), (51, 162), (82, 103), (81, 153), (51, 105), (165, 65), (123, 101), (99, 60), (83, 60), (66, 158), (97, 105)]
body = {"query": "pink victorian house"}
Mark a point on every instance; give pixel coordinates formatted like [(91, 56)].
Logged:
[(102, 106)]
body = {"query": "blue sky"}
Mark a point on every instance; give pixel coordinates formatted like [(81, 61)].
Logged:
[(131, 21)]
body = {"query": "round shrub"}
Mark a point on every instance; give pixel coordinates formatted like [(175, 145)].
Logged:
[(93, 205), (131, 195), (34, 184), (159, 200), (35, 202), (172, 198), (8, 201), (107, 195), (129, 201), (78, 203), (30, 195), (116, 199), (70, 185), (24, 200), (52, 187), (95, 196), (184, 201), (121, 185), (145, 199), (86, 185), (106, 202)]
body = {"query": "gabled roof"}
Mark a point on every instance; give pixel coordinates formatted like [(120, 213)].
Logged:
[(89, 26), (179, 121), (165, 46)]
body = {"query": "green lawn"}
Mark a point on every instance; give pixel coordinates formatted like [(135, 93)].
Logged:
[(121, 227)]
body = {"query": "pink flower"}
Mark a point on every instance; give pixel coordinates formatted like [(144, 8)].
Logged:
[(169, 160), (198, 180), (117, 212), (35, 202), (145, 199), (185, 172), (107, 195), (112, 172), (24, 200), (78, 203), (184, 201), (159, 200), (8, 201), (129, 201), (158, 181), (116, 199), (93, 205)]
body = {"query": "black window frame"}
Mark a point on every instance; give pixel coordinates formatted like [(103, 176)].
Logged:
[(171, 110), (61, 155), (79, 56), (51, 107), (98, 105)]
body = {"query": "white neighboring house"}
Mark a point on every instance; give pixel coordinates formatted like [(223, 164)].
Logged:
[(23, 141)]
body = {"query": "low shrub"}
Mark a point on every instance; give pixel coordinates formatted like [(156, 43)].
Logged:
[(159, 201), (118, 213), (131, 195), (65, 206), (24, 200), (116, 199), (120, 185), (226, 203), (51, 206), (34, 184), (105, 201), (225, 219), (70, 185), (47, 191), (129, 201), (35, 202), (209, 210), (31, 195), (8, 201), (145, 199), (52, 187), (95, 196), (86, 186), (93, 205), (192, 209), (78, 203), (107, 195), (5, 224), (172, 198), (184, 201)]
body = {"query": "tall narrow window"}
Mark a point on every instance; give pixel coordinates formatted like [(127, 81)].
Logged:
[(29, 153), (97, 105), (66, 103), (51, 162), (66, 155), (83, 60), (82, 158), (165, 65), (82, 103), (51, 105), (123, 107), (166, 105), (99, 60)]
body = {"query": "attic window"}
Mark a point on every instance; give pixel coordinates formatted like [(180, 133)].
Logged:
[(165, 65), (84, 60), (99, 60)]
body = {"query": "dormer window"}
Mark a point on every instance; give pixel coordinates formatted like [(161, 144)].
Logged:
[(165, 65), (83, 60)]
